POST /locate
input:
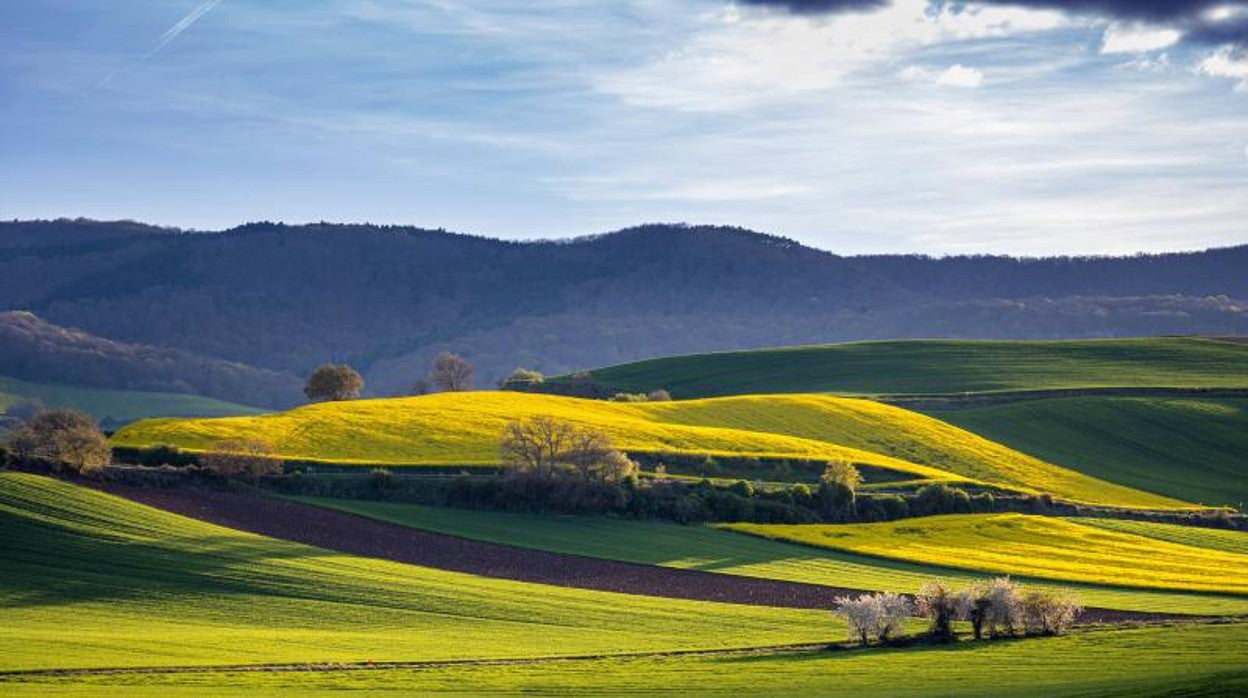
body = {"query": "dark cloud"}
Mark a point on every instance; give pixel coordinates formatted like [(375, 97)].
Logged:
[(1186, 15), (812, 7)]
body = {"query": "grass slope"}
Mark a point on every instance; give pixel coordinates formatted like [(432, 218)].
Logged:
[(1188, 448), (941, 367), (1034, 546), (92, 580), (464, 428), (713, 550), (118, 406), (1180, 661)]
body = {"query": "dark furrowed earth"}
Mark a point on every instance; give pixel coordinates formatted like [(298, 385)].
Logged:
[(357, 535)]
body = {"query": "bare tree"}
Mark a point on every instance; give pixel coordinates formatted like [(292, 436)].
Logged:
[(536, 444), (543, 444), (241, 458), (334, 382), (65, 438), (451, 372)]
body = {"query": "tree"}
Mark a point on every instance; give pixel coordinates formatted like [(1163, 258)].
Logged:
[(880, 615), (544, 445), (334, 382), (241, 458), (522, 378), (938, 603), (659, 395), (1048, 613), (837, 489), (62, 437), (421, 387), (451, 372)]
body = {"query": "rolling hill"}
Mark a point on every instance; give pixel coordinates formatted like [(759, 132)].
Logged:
[(92, 580), (33, 349), (116, 407), (464, 429), (941, 368), (1188, 448)]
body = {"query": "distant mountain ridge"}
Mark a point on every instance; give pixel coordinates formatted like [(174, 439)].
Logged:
[(385, 298)]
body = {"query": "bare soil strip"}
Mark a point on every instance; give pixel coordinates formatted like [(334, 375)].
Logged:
[(358, 535)]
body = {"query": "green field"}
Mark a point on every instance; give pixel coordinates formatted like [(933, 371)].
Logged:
[(1188, 448), (1179, 661), (464, 428), (941, 367), (92, 580), (1034, 546), (726, 552), (117, 406)]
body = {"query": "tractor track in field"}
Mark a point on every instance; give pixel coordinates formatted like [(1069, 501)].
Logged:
[(358, 535), (417, 664)]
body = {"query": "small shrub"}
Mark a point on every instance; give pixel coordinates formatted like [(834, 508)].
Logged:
[(1048, 613), (241, 458)]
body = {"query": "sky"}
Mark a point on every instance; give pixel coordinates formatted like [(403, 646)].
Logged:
[(1028, 127)]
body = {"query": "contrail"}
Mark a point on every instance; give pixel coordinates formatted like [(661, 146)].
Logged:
[(170, 34), (182, 25)]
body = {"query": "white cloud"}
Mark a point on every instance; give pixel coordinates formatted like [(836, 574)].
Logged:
[(749, 58), (1125, 38), (1227, 63), (959, 75)]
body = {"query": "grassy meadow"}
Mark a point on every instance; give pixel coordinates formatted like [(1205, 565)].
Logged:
[(727, 552), (1191, 660), (1033, 546), (118, 406), (464, 429), (93, 580), (942, 367), (1187, 448)]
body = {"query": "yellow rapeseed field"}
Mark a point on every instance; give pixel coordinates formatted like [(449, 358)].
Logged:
[(464, 429), (1032, 546)]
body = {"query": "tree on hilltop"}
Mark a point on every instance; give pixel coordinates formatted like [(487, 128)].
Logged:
[(451, 372), (334, 382)]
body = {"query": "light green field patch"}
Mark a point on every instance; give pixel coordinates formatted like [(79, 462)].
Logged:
[(92, 580)]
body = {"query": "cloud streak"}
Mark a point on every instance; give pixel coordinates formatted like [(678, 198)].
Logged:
[(182, 25), (168, 37)]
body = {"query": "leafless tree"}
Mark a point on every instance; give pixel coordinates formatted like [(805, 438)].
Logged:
[(451, 372), (543, 444)]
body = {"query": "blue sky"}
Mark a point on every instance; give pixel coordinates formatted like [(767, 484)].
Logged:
[(906, 127)]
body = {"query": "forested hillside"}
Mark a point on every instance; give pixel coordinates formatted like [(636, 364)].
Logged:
[(286, 298)]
